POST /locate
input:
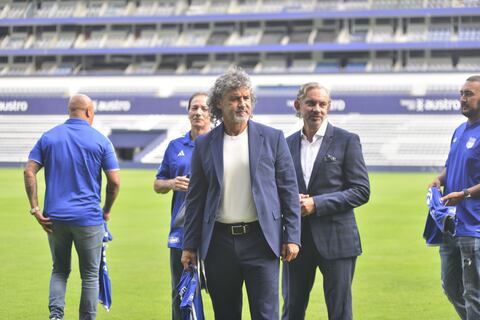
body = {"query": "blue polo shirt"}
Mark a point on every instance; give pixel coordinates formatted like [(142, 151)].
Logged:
[(463, 171), (176, 162), (73, 155)]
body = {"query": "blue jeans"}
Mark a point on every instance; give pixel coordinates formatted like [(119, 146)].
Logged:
[(460, 259), (88, 244)]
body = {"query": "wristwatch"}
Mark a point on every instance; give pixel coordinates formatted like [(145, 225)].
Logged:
[(466, 194), (33, 210)]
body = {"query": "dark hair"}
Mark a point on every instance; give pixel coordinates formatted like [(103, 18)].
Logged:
[(196, 94), (475, 78), (234, 78)]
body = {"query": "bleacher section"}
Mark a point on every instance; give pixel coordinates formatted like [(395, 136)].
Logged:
[(19, 134), (185, 37), (402, 140), (397, 141)]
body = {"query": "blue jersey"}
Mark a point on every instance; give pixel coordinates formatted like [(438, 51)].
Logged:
[(176, 162), (105, 285), (463, 171), (436, 217), (73, 155), (188, 288)]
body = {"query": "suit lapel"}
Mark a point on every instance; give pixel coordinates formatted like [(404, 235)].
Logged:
[(327, 140), (297, 160), (217, 151), (255, 143)]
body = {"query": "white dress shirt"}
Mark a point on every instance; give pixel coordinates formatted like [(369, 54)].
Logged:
[(309, 150)]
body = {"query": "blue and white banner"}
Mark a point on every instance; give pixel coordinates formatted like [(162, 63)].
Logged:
[(266, 104)]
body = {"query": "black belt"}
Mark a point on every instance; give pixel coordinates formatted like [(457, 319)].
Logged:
[(237, 229)]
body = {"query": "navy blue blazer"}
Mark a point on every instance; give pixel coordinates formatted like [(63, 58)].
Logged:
[(338, 183), (274, 188)]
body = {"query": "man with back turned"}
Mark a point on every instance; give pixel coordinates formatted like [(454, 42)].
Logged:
[(73, 156)]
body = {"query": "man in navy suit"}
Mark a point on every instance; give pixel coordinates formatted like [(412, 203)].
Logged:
[(332, 180), (242, 210)]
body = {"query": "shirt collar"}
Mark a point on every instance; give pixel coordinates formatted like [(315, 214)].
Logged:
[(187, 140), (473, 125), (320, 132), (77, 121)]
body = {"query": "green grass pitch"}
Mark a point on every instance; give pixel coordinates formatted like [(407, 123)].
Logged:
[(397, 277)]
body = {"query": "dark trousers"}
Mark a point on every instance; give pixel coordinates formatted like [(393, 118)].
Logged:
[(235, 259), (176, 270), (299, 276)]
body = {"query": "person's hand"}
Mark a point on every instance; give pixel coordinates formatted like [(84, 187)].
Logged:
[(453, 198), (289, 251), (106, 216), (435, 183), (45, 222), (189, 257), (307, 205), (180, 183)]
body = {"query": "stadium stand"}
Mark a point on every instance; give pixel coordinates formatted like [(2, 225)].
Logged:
[(380, 65), (375, 55), (301, 65), (468, 64), (416, 32), (45, 40), (381, 32), (87, 30), (63, 9), (300, 34), (439, 32), (65, 40), (400, 141), (16, 140)]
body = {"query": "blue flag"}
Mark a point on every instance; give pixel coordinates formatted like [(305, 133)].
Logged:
[(191, 305), (440, 218), (105, 293)]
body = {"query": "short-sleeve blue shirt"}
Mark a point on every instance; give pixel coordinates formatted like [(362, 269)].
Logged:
[(176, 162), (463, 171), (73, 155)]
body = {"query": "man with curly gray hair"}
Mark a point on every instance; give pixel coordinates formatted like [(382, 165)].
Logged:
[(235, 78), (242, 209)]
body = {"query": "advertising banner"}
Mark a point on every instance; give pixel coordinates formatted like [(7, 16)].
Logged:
[(266, 104)]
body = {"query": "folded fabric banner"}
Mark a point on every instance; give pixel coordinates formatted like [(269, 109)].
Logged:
[(105, 294), (191, 305), (440, 218)]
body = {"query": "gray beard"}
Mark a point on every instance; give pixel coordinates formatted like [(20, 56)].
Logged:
[(238, 119)]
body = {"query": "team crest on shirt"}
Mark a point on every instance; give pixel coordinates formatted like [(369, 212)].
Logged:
[(181, 154), (471, 141)]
